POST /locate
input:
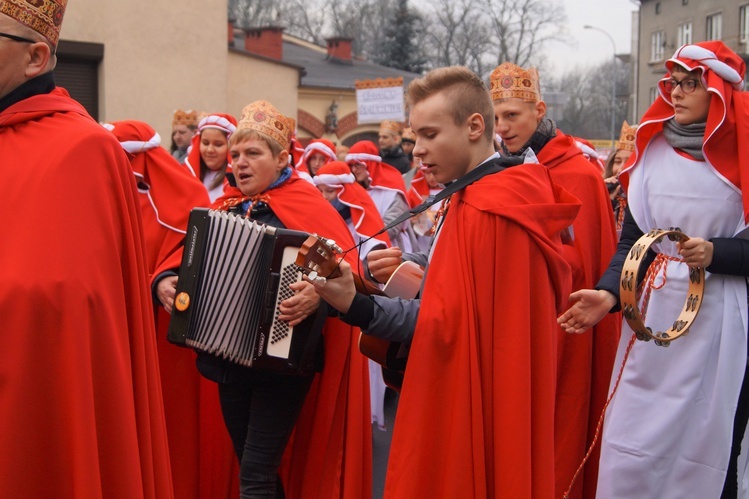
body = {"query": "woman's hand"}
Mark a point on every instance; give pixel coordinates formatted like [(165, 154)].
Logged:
[(590, 306), (696, 252), (300, 306), (165, 290), (382, 263), (613, 191)]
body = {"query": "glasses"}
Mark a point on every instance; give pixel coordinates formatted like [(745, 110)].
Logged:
[(688, 85), (16, 38)]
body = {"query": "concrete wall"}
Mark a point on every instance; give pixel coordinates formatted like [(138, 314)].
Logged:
[(250, 79), (159, 55)]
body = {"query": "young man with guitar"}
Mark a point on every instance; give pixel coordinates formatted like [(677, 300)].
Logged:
[(476, 412)]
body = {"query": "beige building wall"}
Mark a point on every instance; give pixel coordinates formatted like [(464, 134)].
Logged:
[(159, 55), (250, 79)]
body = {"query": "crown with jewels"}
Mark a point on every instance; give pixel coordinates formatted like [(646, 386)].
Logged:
[(43, 16), (627, 137), (188, 118), (509, 81), (262, 117), (391, 126)]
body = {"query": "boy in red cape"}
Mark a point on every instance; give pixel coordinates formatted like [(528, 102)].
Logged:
[(476, 412), (80, 400), (585, 362)]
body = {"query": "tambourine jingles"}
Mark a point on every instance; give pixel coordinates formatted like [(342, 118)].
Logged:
[(628, 290)]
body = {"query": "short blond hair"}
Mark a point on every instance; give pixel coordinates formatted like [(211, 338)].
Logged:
[(249, 134), (467, 94)]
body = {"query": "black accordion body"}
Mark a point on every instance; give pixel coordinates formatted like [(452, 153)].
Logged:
[(234, 274)]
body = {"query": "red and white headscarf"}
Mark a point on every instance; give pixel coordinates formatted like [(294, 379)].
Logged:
[(382, 176), (726, 143), (364, 215), (322, 146), (218, 121), (590, 153), (171, 190)]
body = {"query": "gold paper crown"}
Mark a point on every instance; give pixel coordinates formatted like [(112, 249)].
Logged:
[(262, 117), (627, 137), (509, 81), (188, 118), (390, 126), (43, 16)]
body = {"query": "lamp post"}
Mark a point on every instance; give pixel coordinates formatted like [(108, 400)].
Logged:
[(613, 83)]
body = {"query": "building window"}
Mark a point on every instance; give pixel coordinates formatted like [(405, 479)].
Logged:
[(656, 46), (657, 7), (714, 27), (653, 94), (684, 34), (685, 2), (744, 23)]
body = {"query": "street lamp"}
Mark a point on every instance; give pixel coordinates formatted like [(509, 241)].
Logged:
[(613, 84)]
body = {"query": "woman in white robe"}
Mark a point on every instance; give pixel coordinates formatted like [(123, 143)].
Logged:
[(672, 429)]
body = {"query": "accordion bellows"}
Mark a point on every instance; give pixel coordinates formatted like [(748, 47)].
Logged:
[(234, 274)]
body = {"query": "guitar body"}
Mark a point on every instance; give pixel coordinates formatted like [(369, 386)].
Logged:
[(318, 257), (391, 356)]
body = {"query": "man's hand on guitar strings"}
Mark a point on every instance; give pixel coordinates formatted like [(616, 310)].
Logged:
[(338, 292)]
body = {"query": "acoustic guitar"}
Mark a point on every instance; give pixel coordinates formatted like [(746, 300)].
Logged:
[(318, 257)]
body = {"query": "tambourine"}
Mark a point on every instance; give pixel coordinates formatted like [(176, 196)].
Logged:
[(628, 290)]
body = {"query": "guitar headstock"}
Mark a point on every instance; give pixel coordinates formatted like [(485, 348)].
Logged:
[(318, 258)]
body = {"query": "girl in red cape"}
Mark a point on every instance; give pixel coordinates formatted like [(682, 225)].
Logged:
[(208, 157)]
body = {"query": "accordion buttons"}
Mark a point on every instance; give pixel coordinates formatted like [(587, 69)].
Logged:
[(182, 301)]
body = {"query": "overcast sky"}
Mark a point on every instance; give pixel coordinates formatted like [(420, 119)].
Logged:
[(590, 47)]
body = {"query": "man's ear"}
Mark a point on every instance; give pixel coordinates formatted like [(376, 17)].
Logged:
[(540, 110), (39, 55), (476, 126)]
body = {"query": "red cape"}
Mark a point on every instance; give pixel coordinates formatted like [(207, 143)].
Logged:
[(200, 450), (333, 433), (476, 414), (586, 360), (81, 407)]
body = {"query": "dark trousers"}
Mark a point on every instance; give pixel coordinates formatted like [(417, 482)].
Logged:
[(260, 410), (730, 489)]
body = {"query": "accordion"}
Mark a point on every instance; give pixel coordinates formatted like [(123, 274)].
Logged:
[(234, 274)]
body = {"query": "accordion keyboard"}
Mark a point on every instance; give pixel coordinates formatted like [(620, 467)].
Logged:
[(280, 337)]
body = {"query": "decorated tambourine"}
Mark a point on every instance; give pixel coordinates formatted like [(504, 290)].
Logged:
[(628, 290)]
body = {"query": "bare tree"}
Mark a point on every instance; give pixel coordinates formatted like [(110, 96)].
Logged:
[(588, 109), (520, 28), (253, 13)]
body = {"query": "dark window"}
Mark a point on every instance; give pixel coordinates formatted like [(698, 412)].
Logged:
[(657, 7), (77, 71)]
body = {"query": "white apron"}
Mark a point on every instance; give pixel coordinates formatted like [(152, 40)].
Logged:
[(668, 430)]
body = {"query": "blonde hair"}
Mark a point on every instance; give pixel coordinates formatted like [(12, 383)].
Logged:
[(467, 94), (247, 133)]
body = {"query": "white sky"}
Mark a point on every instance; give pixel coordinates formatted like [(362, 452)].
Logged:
[(589, 47)]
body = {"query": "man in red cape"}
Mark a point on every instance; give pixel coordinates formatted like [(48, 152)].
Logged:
[(80, 399), (585, 362), (476, 412), (201, 454)]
